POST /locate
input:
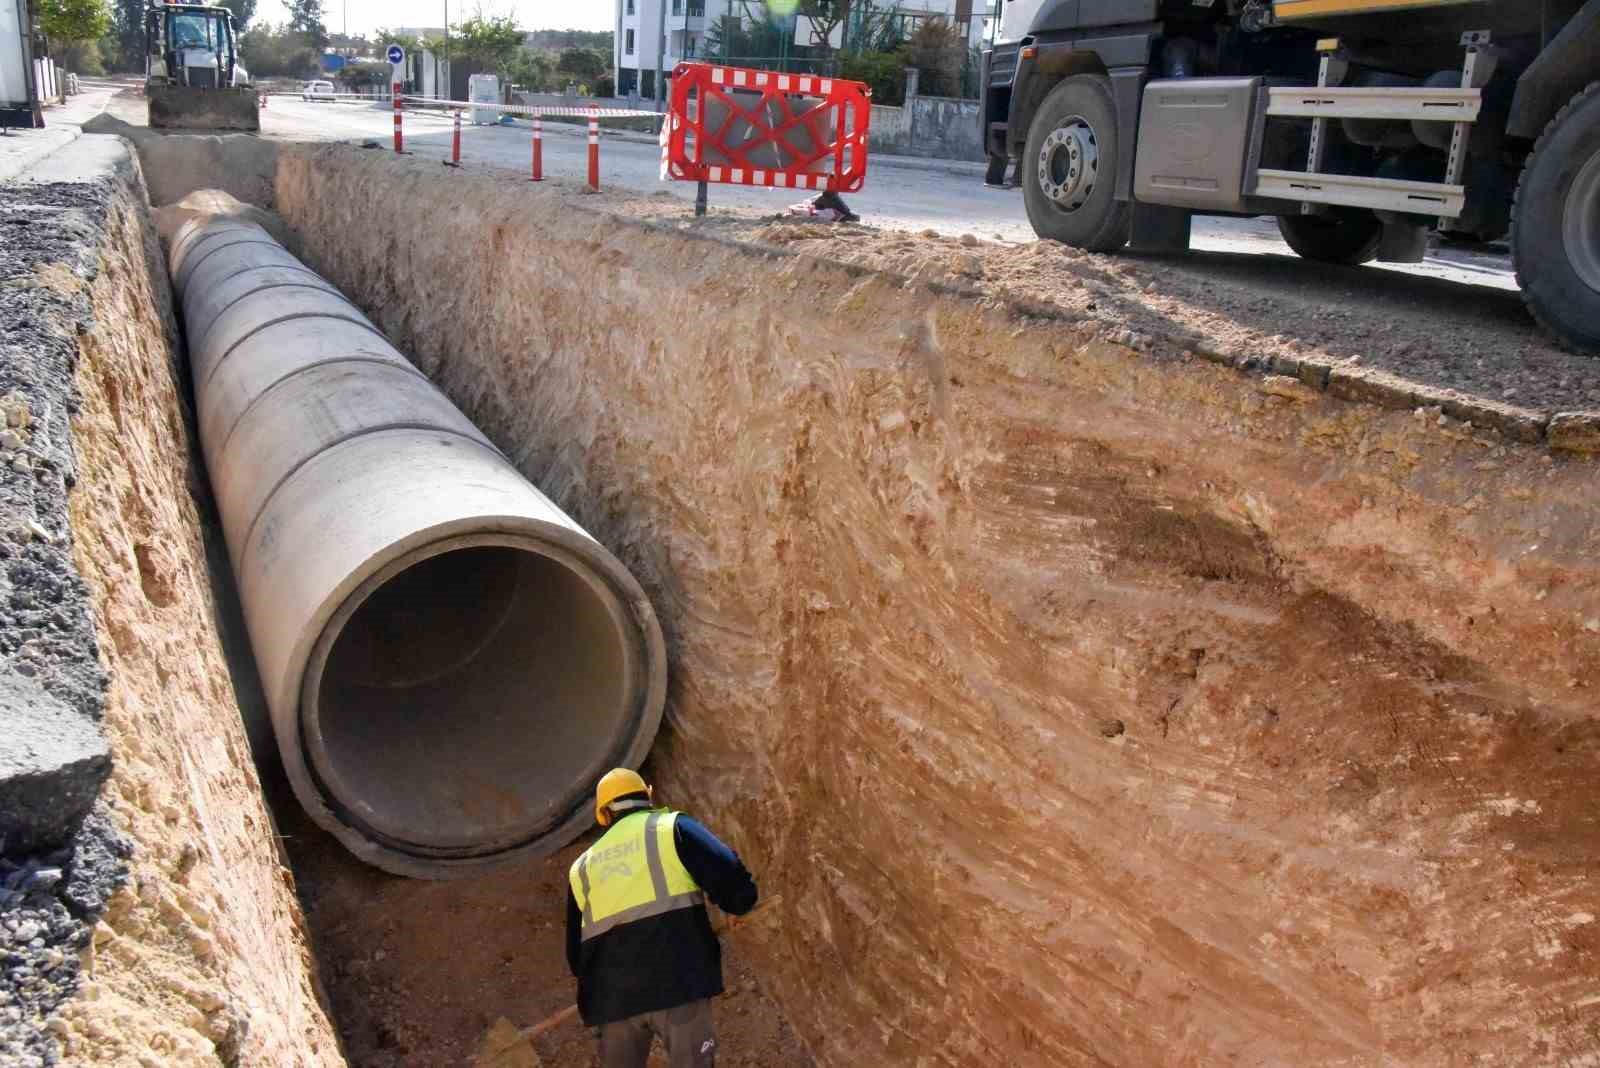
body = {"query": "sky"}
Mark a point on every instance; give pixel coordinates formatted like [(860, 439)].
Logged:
[(366, 16)]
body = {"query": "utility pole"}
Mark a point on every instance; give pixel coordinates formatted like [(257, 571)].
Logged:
[(661, 53)]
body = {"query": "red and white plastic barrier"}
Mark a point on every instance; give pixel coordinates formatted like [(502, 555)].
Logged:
[(735, 126)]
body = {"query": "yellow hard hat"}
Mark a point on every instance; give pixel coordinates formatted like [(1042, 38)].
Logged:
[(618, 782)]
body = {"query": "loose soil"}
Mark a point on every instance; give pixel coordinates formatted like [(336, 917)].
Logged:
[(1473, 340), (1085, 704), (418, 972)]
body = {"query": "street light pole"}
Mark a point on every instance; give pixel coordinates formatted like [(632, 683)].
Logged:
[(661, 53), (449, 90)]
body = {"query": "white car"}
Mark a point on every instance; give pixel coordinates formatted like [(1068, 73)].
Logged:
[(317, 91)]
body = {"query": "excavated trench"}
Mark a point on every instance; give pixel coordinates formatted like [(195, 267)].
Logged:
[(1074, 705)]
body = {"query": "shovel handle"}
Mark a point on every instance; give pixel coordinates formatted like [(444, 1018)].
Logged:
[(556, 1019), (549, 1023)]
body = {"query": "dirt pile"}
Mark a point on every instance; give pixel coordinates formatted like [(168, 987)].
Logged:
[(198, 957), (1084, 708)]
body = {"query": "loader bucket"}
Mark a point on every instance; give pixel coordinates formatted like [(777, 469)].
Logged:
[(189, 108)]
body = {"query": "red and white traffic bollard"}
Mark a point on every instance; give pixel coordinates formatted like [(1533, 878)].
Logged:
[(399, 138), (455, 143), (594, 147), (538, 149)]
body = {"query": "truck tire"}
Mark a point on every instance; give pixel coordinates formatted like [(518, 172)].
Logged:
[(1069, 167), (1344, 236), (1555, 226)]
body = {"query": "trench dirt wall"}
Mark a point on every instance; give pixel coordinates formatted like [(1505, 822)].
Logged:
[(200, 958), (1082, 707)]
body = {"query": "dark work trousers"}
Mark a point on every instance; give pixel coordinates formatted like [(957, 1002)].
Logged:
[(685, 1031)]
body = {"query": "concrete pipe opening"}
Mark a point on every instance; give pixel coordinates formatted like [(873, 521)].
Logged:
[(449, 712), (450, 661)]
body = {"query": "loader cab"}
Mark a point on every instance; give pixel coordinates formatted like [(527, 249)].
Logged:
[(191, 45)]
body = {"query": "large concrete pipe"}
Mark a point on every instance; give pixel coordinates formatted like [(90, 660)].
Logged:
[(450, 661)]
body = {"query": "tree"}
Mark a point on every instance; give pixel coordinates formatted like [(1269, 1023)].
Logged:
[(825, 16), (305, 18), (492, 41), (81, 57), (73, 20), (243, 12), (581, 64), (410, 42), (129, 51), (269, 51), (534, 71), (937, 51)]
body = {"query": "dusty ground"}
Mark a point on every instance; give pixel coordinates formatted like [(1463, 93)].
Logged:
[(418, 972), (1084, 707), (1473, 340)]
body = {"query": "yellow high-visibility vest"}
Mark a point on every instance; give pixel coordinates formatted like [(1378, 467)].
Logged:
[(632, 873)]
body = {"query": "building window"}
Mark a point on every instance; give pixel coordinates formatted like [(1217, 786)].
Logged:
[(697, 9), (627, 46), (677, 7), (630, 7)]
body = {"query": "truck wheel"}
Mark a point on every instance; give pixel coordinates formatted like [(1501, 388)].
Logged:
[(1069, 167), (1344, 236), (1555, 226)]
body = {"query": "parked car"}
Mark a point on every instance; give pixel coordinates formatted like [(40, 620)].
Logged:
[(317, 91)]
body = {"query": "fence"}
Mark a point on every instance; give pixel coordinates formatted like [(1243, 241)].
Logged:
[(933, 127), (48, 84)]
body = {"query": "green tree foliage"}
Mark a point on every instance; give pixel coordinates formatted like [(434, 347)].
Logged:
[(305, 18), (81, 57), (534, 71), (73, 20), (492, 41), (410, 42), (582, 64), (272, 51), (938, 52), (126, 52), (884, 73), (243, 12), (556, 40), (750, 33)]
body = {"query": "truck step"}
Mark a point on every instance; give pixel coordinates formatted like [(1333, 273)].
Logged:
[(1429, 105), (1378, 194)]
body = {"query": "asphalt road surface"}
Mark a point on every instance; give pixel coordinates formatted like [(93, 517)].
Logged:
[(900, 194)]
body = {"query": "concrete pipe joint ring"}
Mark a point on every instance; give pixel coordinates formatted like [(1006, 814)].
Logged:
[(450, 661), (1069, 164)]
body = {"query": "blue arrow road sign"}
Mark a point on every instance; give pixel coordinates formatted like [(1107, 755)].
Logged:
[(397, 55)]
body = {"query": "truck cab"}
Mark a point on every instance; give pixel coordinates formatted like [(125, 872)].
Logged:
[(1361, 124)]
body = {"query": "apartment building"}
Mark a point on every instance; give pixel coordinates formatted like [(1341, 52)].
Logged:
[(640, 47)]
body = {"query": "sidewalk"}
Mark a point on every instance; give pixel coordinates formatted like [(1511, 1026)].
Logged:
[(21, 149)]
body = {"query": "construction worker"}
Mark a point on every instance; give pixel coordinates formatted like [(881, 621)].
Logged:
[(639, 940)]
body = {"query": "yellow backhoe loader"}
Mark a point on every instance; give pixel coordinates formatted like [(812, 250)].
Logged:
[(193, 77)]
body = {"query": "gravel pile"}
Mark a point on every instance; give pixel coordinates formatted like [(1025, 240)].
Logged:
[(57, 868)]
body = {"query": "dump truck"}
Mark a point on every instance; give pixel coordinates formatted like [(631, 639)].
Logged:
[(1362, 125), (193, 77)]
